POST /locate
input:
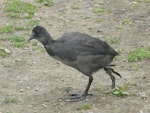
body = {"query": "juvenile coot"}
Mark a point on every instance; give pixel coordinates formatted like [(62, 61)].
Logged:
[(80, 51)]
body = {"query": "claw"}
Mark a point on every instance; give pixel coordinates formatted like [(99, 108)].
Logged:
[(112, 70), (74, 97)]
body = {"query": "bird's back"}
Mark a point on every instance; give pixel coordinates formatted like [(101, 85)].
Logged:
[(83, 52), (84, 44)]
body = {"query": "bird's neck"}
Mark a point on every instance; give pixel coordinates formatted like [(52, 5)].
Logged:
[(48, 40), (48, 45)]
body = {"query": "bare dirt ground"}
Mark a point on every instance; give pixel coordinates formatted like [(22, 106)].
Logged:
[(37, 80)]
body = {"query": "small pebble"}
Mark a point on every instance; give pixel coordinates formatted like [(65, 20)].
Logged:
[(134, 2), (7, 51), (141, 112), (34, 62), (17, 60), (37, 89), (44, 105), (21, 90), (124, 60), (143, 95), (28, 87), (20, 81)]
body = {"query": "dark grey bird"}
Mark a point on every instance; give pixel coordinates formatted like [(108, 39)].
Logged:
[(80, 51)]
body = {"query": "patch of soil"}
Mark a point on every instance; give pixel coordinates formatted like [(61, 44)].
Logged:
[(37, 81)]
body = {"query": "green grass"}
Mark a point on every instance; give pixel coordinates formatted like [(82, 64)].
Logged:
[(121, 91), (114, 40), (120, 26), (35, 43), (131, 8), (146, 1), (62, 12), (17, 41), (19, 44), (6, 29), (118, 51), (135, 67), (65, 23), (18, 28), (45, 2), (98, 20), (33, 23), (79, 1), (85, 107), (99, 10), (124, 22), (96, 88), (76, 7), (12, 28), (68, 89), (127, 22), (3, 53), (4, 38), (101, 3), (10, 100), (10, 112), (19, 9), (37, 47), (138, 54)]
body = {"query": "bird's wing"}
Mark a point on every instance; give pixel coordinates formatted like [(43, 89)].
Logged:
[(93, 46), (77, 44), (70, 50)]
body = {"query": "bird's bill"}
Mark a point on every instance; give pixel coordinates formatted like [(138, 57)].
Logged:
[(30, 38)]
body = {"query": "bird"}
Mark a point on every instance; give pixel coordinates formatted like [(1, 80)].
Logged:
[(81, 51)]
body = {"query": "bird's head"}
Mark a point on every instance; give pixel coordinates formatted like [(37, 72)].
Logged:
[(40, 34)]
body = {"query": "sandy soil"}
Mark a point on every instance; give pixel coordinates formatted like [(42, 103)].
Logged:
[(37, 80)]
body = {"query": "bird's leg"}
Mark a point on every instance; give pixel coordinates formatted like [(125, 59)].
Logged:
[(111, 76), (112, 70), (78, 97), (88, 86), (85, 93)]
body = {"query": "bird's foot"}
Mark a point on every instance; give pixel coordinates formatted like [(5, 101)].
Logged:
[(74, 97), (75, 94)]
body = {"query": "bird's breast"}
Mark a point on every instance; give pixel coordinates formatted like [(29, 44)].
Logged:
[(64, 61)]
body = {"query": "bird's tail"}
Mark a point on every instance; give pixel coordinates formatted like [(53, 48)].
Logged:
[(111, 70)]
